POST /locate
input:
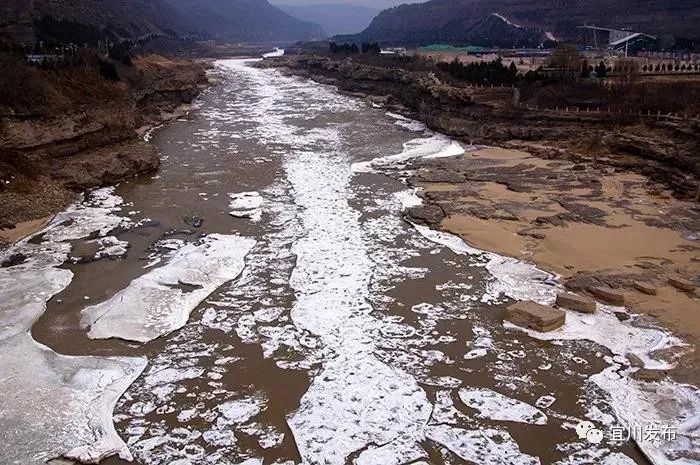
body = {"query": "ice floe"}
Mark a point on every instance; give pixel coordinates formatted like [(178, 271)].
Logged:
[(434, 146), (161, 301), (495, 406), (240, 410), (246, 205), (110, 247), (407, 123), (638, 404), (56, 405), (486, 446)]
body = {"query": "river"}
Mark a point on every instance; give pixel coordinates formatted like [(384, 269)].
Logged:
[(261, 298)]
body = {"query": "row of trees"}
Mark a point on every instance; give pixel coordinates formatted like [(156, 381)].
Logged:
[(492, 72), (662, 67), (350, 49)]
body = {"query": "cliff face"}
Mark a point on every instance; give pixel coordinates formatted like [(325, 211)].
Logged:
[(437, 20), (88, 138)]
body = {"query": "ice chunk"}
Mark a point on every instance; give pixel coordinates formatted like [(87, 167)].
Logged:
[(435, 146), (241, 410), (496, 406), (246, 205), (665, 404), (484, 446), (407, 123), (95, 213), (53, 405), (356, 401), (161, 301)]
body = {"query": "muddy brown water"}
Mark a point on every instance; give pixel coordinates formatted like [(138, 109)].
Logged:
[(423, 306)]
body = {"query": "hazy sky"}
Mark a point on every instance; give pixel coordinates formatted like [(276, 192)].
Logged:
[(376, 4)]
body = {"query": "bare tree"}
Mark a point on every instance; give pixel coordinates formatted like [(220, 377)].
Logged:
[(567, 59)]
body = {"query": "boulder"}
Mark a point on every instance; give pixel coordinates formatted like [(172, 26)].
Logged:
[(535, 316), (576, 302), (679, 282), (634, 360), (648, 375), (644, 287), (608, 294)]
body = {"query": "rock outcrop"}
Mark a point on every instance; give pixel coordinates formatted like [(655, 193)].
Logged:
[(46, 152), (487, 116)]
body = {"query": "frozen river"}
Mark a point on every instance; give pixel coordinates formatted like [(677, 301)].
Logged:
[(262, 300)]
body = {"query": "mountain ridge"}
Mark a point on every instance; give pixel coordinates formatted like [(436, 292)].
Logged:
[(80, 21), (334, 18), (429, 22)]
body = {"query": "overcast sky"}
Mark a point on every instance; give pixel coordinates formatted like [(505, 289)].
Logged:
[(376, 4)]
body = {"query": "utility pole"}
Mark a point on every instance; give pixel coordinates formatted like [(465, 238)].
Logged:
[(595, 38)]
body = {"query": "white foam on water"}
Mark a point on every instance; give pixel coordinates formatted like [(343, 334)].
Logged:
[(496, 406), (153, 305), (56, 405)]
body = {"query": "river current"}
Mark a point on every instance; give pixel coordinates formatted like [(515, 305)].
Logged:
[(262, 299)]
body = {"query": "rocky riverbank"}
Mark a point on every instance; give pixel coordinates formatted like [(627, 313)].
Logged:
[(665, 151), (84, 131), (620, 215)]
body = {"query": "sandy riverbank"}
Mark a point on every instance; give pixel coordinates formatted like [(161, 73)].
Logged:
[(22, 230), (590, 224)]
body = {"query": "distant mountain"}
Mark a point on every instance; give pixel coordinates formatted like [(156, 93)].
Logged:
[(243, 20), (478, 21), (86, 21), (334, 18)]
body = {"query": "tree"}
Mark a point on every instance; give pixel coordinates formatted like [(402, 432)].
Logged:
[(371, 47), (601, 70), (566, 58), (512, 71), (626, 71), (585, 70)]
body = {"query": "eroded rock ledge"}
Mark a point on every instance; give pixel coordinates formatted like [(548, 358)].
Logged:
[(665, 151), (47, 154)]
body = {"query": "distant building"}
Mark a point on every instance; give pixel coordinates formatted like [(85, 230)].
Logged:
[(393, 51), (620, 40)]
